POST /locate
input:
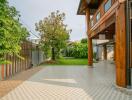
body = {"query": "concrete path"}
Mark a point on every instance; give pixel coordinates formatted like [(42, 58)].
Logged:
[(70, 83)]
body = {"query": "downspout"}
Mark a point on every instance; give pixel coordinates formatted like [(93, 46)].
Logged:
[(128, 70)]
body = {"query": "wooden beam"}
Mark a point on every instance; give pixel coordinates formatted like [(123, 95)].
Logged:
[(90, 52), (90, 46), (120, 46), (106, 16)]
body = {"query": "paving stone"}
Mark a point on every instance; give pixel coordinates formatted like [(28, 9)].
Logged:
[(70, 83), (11, 83)]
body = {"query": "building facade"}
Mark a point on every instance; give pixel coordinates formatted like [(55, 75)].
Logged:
[(111, 20)]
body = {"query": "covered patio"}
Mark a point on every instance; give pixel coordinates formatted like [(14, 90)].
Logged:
[(111, 20), (70, 83)]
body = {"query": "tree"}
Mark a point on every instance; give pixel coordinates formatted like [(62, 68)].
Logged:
[(84, 40), (53, 32), (11, 31)]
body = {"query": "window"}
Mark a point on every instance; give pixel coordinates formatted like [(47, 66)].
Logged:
[(98, 16), (107, 5)]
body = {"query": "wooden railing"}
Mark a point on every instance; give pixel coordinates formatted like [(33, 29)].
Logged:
[(100, 10)]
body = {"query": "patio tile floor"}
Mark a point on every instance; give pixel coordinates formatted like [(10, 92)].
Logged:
[(70, 83)]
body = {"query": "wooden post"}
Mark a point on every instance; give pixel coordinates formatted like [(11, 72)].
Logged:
[(120, 46), (105, 52), (90, 52), (90, 45), (3, 71)]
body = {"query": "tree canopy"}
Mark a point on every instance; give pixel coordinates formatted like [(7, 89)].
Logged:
[(11, 30), (54, 33), (84, 40)]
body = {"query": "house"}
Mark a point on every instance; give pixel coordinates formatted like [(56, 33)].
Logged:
[(111, 20)]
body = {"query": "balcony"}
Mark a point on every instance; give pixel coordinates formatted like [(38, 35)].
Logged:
[(104, 12)]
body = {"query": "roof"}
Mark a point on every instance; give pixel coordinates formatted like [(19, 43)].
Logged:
[(92, 4), (81, 8)]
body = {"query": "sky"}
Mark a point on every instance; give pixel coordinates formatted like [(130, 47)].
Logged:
[(32, 11)]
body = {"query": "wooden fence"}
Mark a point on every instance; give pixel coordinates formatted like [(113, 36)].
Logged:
[(17, 65)]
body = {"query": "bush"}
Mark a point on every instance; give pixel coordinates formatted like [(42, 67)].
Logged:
[(77, 50)]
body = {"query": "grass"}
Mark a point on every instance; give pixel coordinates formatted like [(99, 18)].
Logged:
[(72, 61), (69, 61)]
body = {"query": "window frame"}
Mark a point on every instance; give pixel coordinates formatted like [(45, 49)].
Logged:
[(105, 10), (98, 15)]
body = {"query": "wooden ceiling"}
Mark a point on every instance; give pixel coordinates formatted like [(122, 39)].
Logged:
[(92, 4), (82, 7), (109, 32)]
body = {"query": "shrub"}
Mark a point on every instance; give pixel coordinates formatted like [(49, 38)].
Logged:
[(77, 50)]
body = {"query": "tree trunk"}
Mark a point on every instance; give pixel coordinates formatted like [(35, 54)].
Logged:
[(53, 54)]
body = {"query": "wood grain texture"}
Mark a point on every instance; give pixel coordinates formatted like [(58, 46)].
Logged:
[(120, 46), (90, 45)]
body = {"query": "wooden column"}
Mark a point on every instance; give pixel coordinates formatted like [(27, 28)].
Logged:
[(90, 52), (105, 52), (3, 71), (90, 45), (120, 46)]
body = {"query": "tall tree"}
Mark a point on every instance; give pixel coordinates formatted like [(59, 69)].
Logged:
[(11, 30), (53, 32)]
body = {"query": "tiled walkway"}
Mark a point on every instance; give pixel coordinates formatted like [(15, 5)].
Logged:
[(9, 84), (70, 83)]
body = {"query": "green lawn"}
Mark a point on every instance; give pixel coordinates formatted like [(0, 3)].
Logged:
[(72, 61), (69, 61)]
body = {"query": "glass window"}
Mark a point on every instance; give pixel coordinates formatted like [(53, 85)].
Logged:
[(98, 16), (107, 5)]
